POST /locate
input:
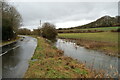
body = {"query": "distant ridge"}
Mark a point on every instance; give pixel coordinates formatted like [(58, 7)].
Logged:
[(105, 21)]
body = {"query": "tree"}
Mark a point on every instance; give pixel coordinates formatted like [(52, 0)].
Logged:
[(11, 20), (49, 31), (36, 32)]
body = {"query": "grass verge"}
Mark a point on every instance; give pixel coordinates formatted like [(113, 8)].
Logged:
[(49, 62), (8, 42)]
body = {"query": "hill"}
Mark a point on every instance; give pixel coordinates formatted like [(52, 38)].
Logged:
[(105, 21)]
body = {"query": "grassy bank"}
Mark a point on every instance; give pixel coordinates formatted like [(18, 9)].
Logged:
[(103, 41), (8, 42), (49, 62)]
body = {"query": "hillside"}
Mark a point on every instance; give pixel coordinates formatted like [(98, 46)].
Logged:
[(105, 21)]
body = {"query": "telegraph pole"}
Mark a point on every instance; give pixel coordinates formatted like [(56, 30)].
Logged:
[(40, 23), (40, 32)]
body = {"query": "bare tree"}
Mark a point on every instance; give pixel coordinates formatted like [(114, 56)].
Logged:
[(11, 20)]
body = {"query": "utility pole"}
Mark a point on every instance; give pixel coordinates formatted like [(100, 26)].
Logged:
[(40, 23), (40, 32)]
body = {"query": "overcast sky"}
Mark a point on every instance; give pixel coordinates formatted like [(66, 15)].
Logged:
[(63, 14)]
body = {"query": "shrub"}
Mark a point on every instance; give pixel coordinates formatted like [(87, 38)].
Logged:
[(49, 31), (118, 30)]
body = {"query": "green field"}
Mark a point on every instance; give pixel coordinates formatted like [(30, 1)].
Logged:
[(102, 36), (102, 41), (102, 29)]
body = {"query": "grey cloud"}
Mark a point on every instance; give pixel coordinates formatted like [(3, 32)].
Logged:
[(55, 12)]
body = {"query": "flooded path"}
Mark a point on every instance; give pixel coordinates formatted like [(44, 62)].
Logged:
[(15, 61)]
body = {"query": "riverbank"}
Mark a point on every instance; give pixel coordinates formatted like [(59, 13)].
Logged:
[(9, 42), (104, 41), (49, 62)]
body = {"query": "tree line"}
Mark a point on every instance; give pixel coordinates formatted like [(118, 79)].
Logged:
[(47, 30), (12, 20)]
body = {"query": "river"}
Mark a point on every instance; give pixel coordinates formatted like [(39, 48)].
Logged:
[(93, 59), (15, 60)]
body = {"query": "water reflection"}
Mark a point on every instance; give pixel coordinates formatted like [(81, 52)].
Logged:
[(15, 61), (93, 59)]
